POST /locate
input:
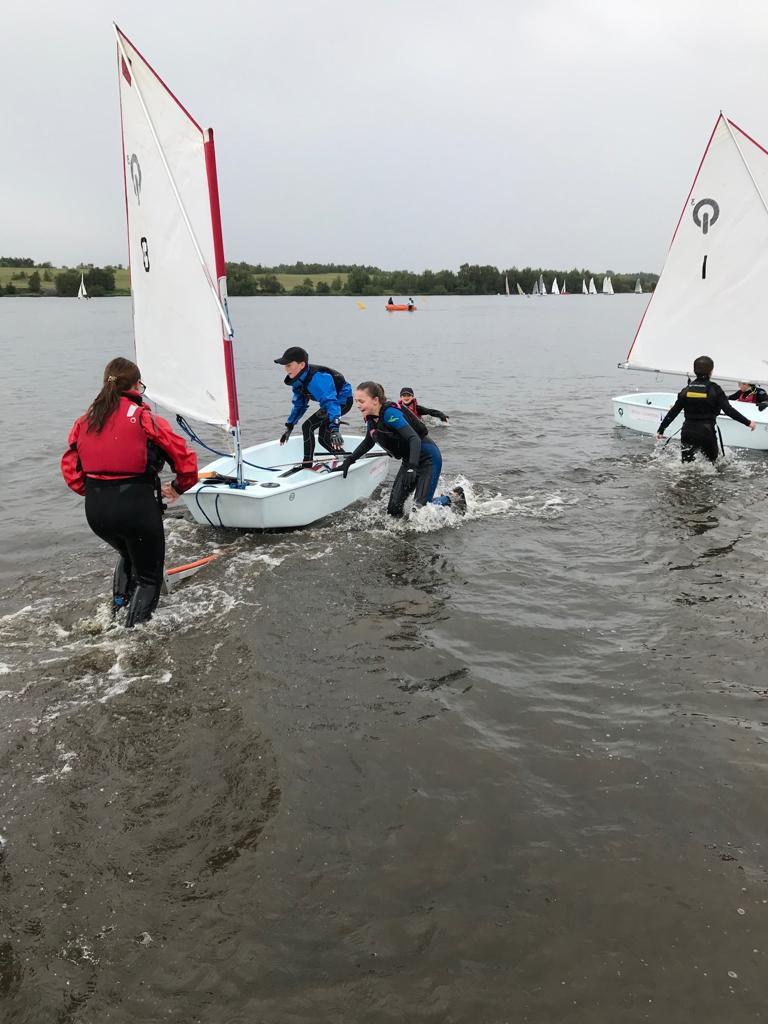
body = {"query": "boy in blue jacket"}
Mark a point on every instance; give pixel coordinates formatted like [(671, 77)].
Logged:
[(323, 385)]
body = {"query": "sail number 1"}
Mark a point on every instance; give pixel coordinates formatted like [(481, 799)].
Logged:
[(145, 254)]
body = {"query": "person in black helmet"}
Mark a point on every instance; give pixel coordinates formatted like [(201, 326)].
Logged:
[(407, 400), (701, 402), (325, 386)]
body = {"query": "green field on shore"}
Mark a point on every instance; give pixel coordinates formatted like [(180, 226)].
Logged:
[(7, 274), (123, 281)]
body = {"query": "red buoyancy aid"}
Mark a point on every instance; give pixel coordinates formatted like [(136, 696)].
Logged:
[(120, 447), (133, 443), (412, 408)]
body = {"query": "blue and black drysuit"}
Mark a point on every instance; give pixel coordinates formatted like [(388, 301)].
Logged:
[(332, 392), (404, 437)]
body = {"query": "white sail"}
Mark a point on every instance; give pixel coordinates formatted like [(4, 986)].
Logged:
[(710, 298), (519, 289), (535, 289), (592, 289), (583, 287), (506, 283), (542, 286), (607, 286), (638, 287), (554, 290), (178, 282), (81, 292)]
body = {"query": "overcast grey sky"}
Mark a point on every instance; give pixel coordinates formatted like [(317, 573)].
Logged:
[(413, 134)]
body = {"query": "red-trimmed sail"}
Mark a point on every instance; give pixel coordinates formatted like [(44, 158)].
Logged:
[(178, 275), (710, 298)]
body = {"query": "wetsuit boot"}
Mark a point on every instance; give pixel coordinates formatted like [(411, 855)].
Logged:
[(123, 584), (143, 603)]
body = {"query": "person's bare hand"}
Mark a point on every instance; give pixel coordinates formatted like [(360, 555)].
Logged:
[(168, 493)]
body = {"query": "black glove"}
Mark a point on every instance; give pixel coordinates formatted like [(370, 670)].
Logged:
[(444, 418), (410, 476), (335, 440), (288, 431), (761, 406), (349, 461)]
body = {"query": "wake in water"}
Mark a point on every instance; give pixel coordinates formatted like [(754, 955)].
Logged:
[(732, 465), (481, 502)]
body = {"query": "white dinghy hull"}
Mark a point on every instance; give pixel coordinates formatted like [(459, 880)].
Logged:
[(273, 501), (644, 412)]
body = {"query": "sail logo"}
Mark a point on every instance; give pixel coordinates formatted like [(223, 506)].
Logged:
[(705, 214), (134, 167)]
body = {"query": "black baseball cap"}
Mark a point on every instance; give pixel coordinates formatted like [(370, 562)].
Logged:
[(406, 391), (293, 355)]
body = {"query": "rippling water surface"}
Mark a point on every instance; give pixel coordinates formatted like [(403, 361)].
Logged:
[(503, 768)]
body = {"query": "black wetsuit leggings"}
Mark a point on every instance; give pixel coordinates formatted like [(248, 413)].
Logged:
[(423, 482), (698, 436), (310, 425), (127, 515)]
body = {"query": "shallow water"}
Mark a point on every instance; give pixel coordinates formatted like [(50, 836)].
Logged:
[(506, 767)]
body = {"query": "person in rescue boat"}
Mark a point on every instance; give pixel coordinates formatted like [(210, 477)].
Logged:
[(750, 393), (325, 386), (114, 454), (700, 402), (408, 401), (403, 436)]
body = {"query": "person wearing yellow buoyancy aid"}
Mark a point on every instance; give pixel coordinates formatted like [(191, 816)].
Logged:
[(701, 402)]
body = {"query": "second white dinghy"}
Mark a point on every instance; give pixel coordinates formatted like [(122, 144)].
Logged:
[(709, 299), (182, 329)]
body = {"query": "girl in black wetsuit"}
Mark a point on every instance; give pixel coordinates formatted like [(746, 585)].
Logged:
[(406, 438)]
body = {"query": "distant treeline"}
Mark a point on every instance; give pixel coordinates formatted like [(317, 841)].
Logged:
[(28, 278), (21, 261), (471, 279), (22, 276)]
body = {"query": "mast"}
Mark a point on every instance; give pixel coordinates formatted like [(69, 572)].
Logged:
[(221, 279)]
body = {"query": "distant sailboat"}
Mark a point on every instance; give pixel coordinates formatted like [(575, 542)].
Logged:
[(519, 289), (592, 289), (506, 282), (81, 292), (564, 289), (584, 287), (554, 290), (542, 286), (535, 289), (638, 287), (607, 286)]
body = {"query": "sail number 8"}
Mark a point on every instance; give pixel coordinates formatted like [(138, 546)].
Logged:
[(145, 254)]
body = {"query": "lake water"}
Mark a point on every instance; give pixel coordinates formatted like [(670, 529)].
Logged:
[(505, 768)]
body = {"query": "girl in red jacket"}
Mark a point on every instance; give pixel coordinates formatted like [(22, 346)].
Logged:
[(114, 455)]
